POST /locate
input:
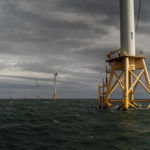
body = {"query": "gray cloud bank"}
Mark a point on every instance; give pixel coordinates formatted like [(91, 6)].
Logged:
[(71, 37)]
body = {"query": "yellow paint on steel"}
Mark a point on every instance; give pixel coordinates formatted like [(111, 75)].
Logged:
[(137, 79), (120, 100), (130, 85), (148, 107), (146, 74), (119, 81), (55, 97), (38, 97), (126, 81), (122, 70)]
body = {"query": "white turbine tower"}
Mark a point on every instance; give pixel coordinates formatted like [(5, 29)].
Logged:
[(55, 95), (127, 27), (37, 90)]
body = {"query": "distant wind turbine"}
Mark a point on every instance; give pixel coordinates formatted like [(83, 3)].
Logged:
[(55, 95), (38, 90)]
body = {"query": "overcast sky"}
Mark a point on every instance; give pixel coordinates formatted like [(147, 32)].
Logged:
[(71, 37)]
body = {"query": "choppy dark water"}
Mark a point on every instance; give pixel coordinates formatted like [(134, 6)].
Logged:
[(71, 125)]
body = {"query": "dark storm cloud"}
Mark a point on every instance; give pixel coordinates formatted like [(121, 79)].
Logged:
[(144, 16), (29, 26), (71, 37), (93, 7), (46, 34), (144, 30), (107, 9)]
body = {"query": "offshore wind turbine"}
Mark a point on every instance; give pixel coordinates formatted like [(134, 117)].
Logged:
[(124, 64), (37, 90), (55, 77)]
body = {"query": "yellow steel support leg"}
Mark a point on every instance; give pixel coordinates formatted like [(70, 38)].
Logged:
[(127, 80), (132, 101), (106, 100), (139, 77), (126, 97), (116, 84), (55, 97), (148, 107), (119, 81), (146, 74), (132, 105), (147, 77), (130, 84)]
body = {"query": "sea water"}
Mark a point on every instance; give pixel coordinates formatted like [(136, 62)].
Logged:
[(71, 125)]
